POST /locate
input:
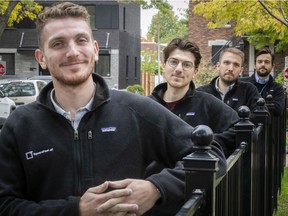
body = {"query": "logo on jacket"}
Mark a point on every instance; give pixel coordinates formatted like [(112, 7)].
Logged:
[(190, 114), (108, 129), (31, 154)]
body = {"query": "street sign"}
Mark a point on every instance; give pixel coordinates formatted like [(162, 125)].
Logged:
[(286, 74), (2, 68)]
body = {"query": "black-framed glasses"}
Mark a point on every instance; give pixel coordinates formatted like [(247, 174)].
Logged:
[(186, 65)]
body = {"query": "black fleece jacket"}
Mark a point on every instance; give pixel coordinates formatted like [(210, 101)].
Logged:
[(242, 93), (46, 165), (274, 89), (197, 108)]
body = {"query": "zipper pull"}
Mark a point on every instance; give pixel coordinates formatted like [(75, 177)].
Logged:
[(90, 135), (76, 135)]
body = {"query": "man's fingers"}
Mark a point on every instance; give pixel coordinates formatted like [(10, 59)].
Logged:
[(116, 202), (120, 184), (100, 188), (115, 205)]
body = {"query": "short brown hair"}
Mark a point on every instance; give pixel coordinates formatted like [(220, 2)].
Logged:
[(234, 51), (265, 51), (184, 45), (60, 10)]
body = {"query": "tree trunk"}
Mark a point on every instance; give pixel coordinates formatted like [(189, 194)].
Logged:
[(5, 17)]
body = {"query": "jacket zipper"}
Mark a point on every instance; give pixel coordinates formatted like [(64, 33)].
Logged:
[(78, 161), (90, 135), (76, 135)]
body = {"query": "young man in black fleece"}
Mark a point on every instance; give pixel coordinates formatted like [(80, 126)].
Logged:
[(181, 61), (178, 94), (82, 149)]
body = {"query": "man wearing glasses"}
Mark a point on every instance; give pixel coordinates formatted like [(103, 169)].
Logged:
[(181, 61)]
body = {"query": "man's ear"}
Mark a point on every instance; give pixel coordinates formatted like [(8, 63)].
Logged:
[(39, 55), (217, 66), (242, 69), (96, 49)]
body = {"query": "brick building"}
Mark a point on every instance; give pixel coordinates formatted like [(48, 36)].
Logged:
[(212, 41)]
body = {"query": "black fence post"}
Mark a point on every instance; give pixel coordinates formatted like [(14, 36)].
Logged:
[(245, 133), (200, 168), (261, 163)]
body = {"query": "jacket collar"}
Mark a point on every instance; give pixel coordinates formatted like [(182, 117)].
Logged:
[(101, 95), (160, 89)]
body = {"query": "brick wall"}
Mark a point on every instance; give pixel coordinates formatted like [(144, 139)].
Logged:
[(201, 34)]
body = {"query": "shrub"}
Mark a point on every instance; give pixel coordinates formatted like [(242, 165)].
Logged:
[(137, 89)]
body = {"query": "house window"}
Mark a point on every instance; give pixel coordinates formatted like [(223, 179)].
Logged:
[(216, 49), (124, 18), (26, 23), (135, 67), (103, 66), (107, 17), (127, 66), (91, 10)]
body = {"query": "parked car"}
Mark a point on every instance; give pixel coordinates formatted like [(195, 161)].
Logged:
[(22, 91), (45, 78), (6, 108)]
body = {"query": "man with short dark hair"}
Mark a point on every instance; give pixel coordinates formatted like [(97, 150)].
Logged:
[(265, 83), (181, 62)]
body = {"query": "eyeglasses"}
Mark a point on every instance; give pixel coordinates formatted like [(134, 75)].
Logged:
[(186, 65)]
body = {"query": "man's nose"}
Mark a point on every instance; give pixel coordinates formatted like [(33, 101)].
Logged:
[(72, 49), (179, 67), (230, 67)]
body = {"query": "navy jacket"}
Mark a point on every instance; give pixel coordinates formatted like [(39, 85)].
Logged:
[(46, 165), (274, 89)]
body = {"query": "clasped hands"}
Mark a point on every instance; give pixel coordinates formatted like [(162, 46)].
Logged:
[(128, 197)]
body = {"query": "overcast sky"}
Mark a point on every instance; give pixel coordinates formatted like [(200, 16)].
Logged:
[(146, 15)]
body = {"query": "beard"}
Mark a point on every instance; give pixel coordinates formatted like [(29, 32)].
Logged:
[(74, 80), (228, 81), (263, 72)]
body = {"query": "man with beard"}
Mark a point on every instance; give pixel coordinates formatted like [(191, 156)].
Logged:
[(227, 87), (82, 148), (265, 83)]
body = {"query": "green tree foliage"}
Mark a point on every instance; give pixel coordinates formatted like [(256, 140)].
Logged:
[(205, 74), (280, 78), (169, 26), (137, 89), (15, 11), (148, 4), (265, 22), (149, 61)]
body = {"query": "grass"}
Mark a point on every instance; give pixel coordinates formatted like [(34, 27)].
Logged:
[(283, 198)]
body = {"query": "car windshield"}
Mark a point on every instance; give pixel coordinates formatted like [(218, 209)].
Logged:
[(17, 89)]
